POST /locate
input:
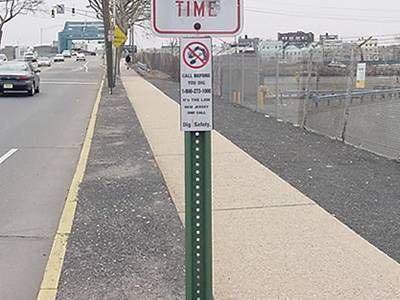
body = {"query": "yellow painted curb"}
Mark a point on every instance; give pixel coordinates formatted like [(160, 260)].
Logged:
[(51, 277)]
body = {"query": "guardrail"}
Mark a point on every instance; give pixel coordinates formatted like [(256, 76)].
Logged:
[(303, 94), (360, 94), (317, 96)]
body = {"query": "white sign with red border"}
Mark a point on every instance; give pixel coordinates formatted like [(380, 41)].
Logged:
[(196, 84), (197, 17)]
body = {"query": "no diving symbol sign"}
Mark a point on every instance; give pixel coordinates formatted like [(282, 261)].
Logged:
[(196, 55)]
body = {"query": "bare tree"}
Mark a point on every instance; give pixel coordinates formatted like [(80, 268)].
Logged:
[(9, 9), (128, 12)]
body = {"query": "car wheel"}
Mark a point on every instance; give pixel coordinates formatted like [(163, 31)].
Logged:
[(31, 92)]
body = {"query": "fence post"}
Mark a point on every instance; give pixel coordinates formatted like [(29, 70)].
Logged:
[(307, 96), (258, 81), (277, 71), (350, 82), (242, 85)]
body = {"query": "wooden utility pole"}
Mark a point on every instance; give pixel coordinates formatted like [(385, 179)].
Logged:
[(108, 43)]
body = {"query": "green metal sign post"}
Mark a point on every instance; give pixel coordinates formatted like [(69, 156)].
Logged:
[(198, 215), (171, 19), (197, 122)]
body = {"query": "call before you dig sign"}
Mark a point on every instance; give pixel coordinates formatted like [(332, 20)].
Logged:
[(196, 85)]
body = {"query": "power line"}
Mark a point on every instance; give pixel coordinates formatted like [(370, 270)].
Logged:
[(375, 35), (323, 17), (296, 4)]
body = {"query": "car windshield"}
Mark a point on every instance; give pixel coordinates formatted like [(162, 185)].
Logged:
[(14, 67), (43, 58)]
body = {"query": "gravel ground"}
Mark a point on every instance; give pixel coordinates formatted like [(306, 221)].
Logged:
[(127, 240), (359, 188)]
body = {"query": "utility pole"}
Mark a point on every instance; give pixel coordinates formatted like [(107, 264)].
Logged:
[(114, 48), (133, 42), (108, 43), (362, 44)]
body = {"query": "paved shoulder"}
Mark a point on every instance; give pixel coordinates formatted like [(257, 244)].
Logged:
[(127, 241)]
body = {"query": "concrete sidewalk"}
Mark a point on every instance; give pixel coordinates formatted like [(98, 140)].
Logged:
[(270, 241)]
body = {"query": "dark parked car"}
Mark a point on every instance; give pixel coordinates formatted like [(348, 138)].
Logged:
[(17, 76)]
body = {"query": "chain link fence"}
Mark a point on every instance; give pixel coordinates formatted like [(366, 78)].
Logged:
[(311, 90), (321, 96), (167, 63)]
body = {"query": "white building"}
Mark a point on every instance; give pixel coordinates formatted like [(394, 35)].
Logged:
[(370, 49), (293, 54), (317, 53), (332, 48), (270, 49)]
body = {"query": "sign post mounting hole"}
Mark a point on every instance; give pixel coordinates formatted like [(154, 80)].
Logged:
[(197, 26)]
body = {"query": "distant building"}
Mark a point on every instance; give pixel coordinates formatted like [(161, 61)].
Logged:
[(299, 39), (270, 49), (293, 54), (332, 48), (45, 50), (317, 53), (389, 53), (328, 37), (80, 45), (246, 44), (348, 47), (370, 49), (10, 52), (20, 51)]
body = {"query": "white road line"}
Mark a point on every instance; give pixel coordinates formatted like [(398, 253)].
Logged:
[(7, 155), (86, 66)]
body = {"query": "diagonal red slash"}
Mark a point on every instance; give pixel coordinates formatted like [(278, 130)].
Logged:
[(197, 56)]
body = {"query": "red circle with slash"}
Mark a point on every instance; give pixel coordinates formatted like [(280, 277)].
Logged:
[(196, 55)]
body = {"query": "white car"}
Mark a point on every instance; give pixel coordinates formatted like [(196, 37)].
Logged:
[(44, 61), (80, 56), (66, 53), (3, 58), (59, 57)]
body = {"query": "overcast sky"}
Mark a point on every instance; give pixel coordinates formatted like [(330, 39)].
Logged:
[(263, 18)]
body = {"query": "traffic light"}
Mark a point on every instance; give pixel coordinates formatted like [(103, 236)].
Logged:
[(73, 11), (53, 13)]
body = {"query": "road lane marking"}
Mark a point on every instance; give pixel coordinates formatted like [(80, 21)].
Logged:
[(51, 277), (85, 66), (7, 155)]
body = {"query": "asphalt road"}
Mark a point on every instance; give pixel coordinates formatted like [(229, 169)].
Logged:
[(40, 142)]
